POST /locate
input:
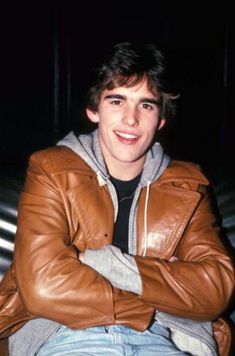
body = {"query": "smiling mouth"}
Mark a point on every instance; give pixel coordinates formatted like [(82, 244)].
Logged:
[(126, 136)]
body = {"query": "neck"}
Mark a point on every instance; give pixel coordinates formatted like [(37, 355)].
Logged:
[(124, 170)]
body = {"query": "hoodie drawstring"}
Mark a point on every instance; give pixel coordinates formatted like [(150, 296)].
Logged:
[(100, 179), (145, 218)]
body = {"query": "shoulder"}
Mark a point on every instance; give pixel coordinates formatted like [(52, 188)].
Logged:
[(181, 173), (57, 158)]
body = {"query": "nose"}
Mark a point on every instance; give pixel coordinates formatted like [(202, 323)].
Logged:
[(130, 116)]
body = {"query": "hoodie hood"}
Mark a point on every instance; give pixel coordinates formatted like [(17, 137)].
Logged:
[(88, 148)]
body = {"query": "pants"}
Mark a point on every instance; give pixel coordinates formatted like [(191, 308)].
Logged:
[(115, 340)]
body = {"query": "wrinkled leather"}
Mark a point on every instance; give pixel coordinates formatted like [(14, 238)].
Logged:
[(63, 210)]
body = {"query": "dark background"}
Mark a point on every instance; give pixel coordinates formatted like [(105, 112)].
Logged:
[(47, 51)]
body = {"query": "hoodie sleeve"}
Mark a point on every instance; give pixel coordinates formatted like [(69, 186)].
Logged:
[(119, 268)]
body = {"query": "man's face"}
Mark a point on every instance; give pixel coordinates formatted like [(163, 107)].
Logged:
[(128, 118)]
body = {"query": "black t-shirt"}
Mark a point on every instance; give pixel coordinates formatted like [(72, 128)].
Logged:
[(125, 192)]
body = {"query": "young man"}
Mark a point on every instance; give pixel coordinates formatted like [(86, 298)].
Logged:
[(117, 250)]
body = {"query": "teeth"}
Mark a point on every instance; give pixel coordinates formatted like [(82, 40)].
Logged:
[(126, 135)]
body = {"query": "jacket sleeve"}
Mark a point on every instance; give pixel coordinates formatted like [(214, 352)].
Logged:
[(199, 283), (53, 283)]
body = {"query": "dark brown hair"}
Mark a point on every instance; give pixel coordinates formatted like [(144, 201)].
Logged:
[(127, 65)]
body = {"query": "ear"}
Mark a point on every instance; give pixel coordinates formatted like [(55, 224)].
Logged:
[(162, 123), (92, 115)]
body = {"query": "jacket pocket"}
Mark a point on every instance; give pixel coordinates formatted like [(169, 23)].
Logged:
[(94, 212), (169, 212)]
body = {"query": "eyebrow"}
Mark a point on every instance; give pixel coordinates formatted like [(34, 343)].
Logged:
[(123, 97), (115, 96), (150, 101)]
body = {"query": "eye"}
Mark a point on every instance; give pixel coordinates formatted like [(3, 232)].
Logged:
[(147, 106), (116, 102)]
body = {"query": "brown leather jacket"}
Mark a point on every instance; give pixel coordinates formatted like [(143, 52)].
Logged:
[(64, 210)]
